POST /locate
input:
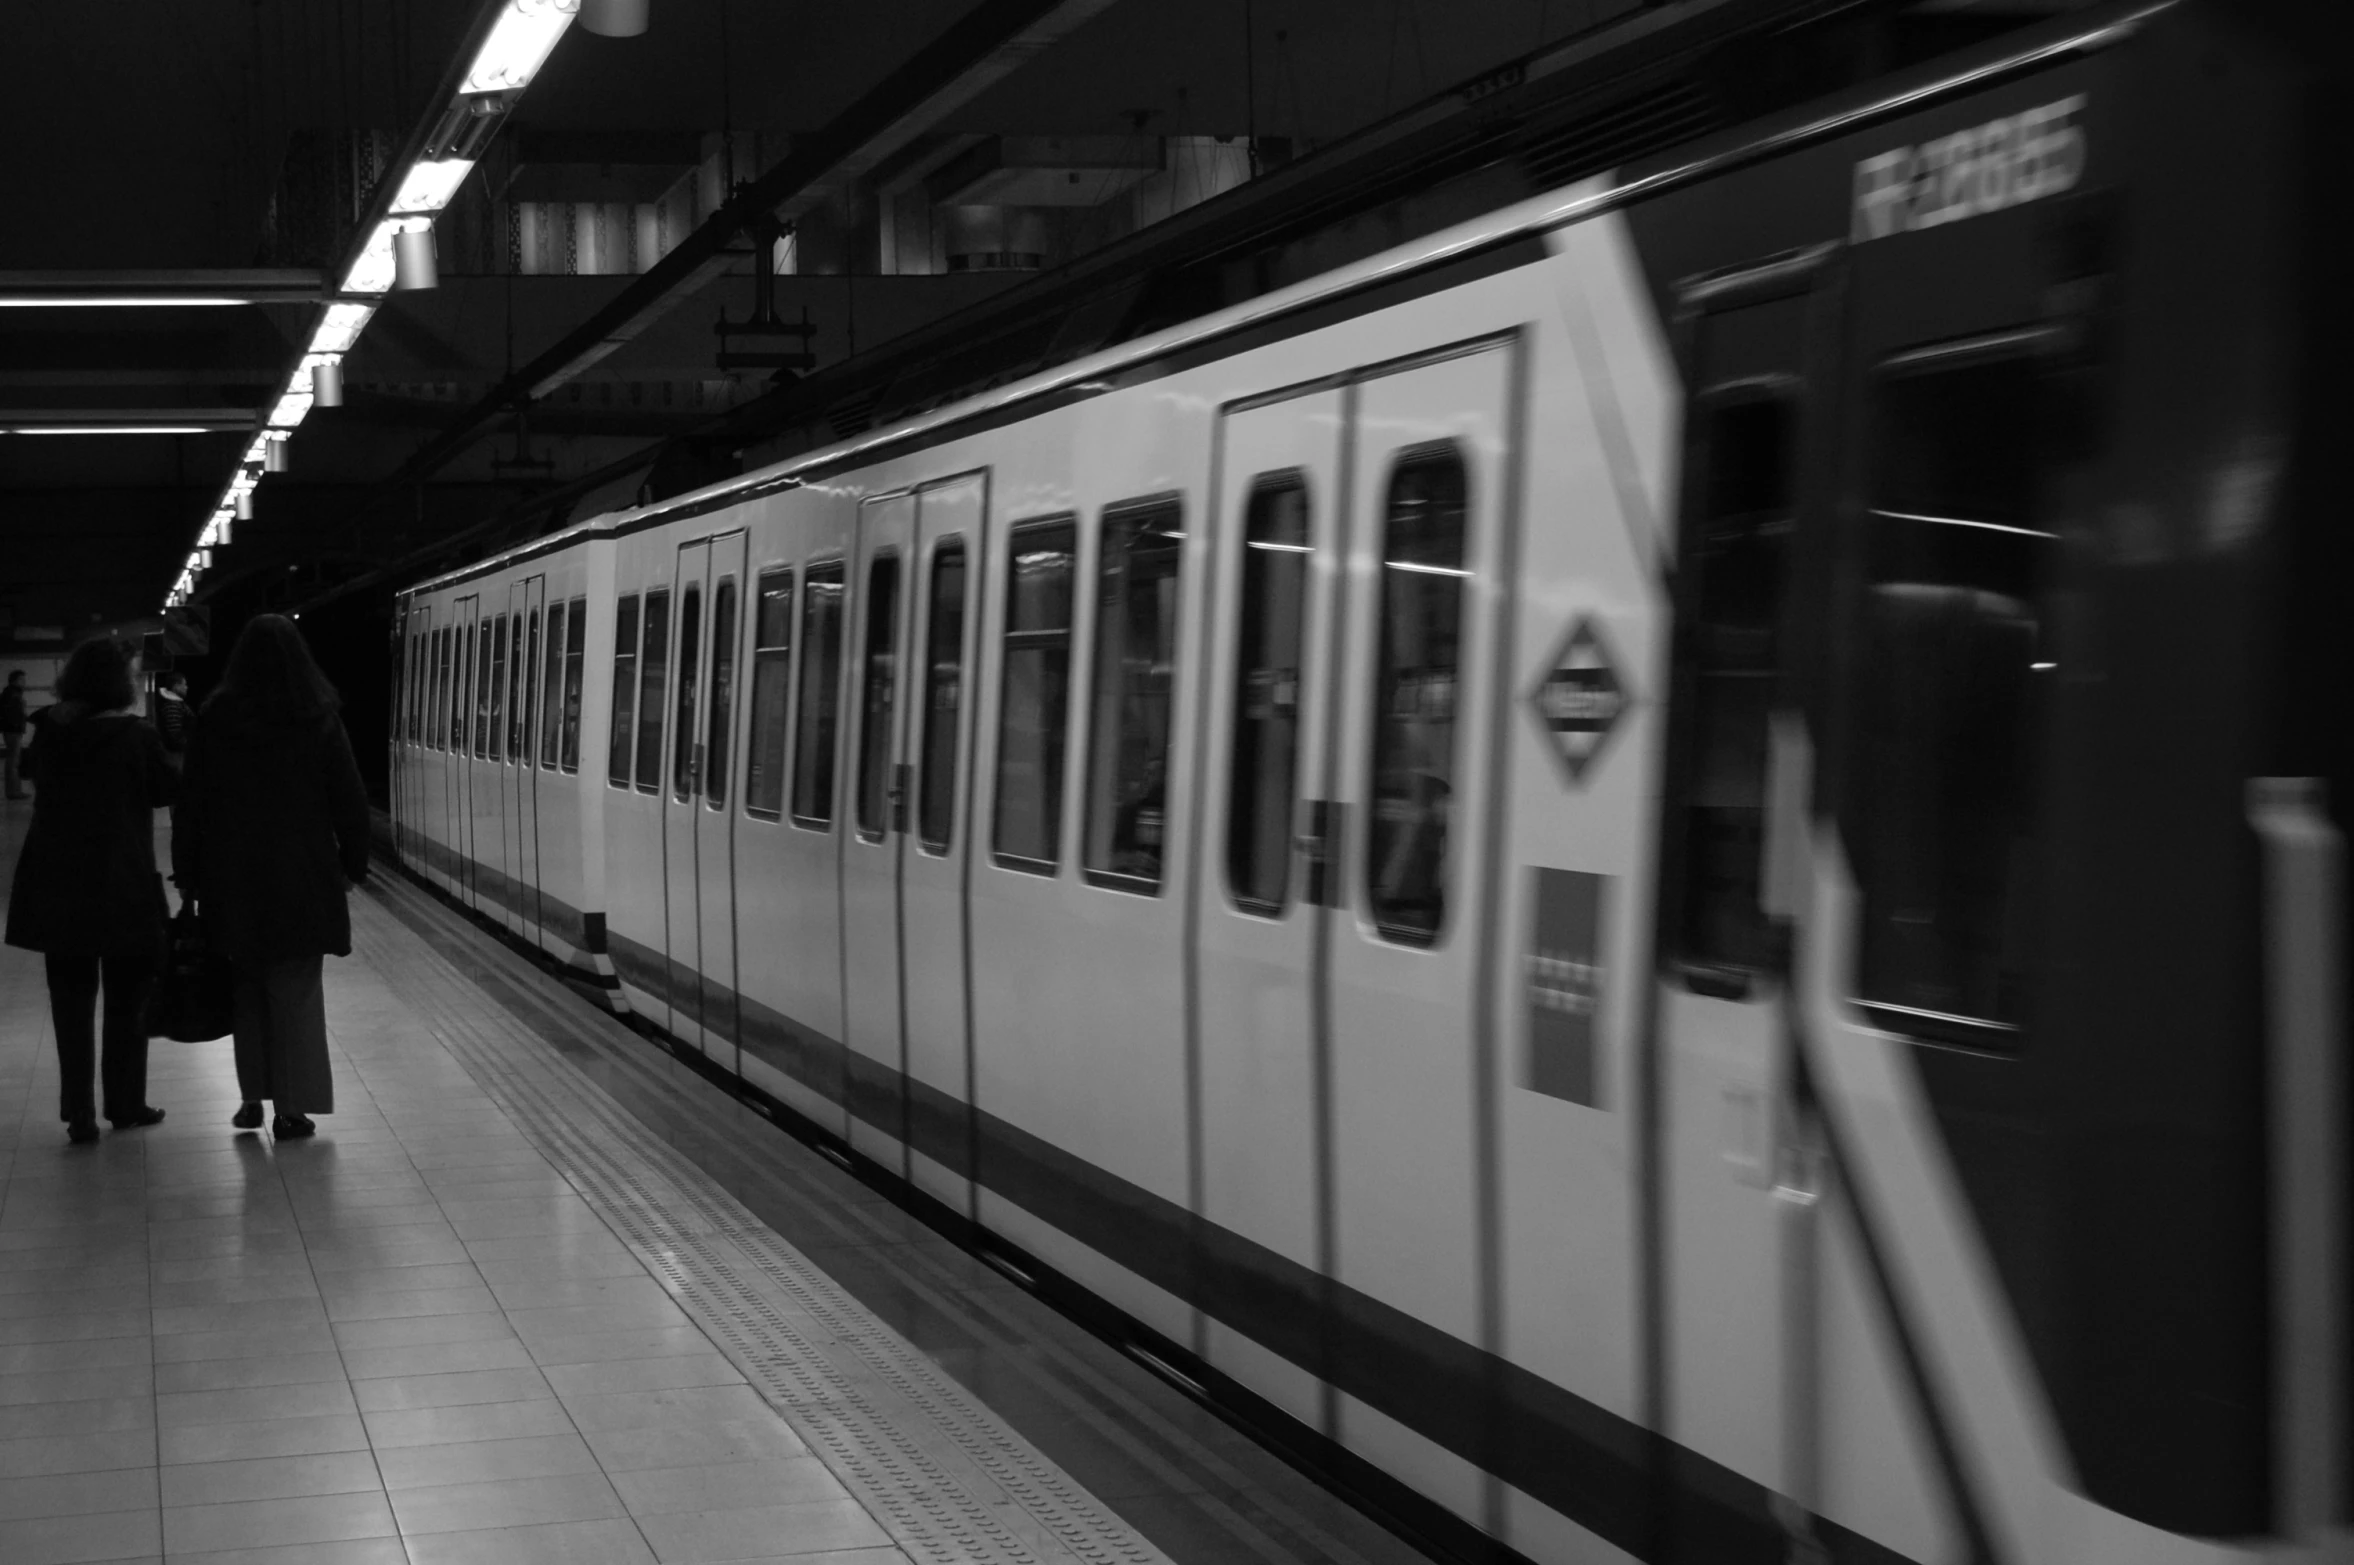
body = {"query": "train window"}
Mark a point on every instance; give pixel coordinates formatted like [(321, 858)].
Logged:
[(1952, 653), (1263, 771), (723, 693), (453, 727), (879, 687), (1037, 676), (821, 691), (575, 655), (522, 689), (772, 671), (1134, 685), (653, 680), (690, 647), (440, 717), (1733, 560), (625, 690), (943, 697), (472, 672), (515, 685), (404, 709), (420, 672), (1408, 836), (487, 637), (551, 699)]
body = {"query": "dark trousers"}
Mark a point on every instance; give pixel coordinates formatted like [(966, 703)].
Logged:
[(73, 1006), (14, 745), (282, 1036)]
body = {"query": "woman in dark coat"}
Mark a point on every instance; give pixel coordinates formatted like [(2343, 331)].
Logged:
[(272, 824), (86, 894)]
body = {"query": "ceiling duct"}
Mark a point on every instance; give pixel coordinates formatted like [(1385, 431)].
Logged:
[(1075, 171), (995, 239)]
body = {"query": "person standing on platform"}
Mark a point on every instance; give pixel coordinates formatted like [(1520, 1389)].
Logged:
[(86, 894), (271, 828), (12, 729), (171, 717)]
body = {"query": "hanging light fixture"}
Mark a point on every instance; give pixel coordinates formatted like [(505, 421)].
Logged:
[(274, 454), (245, 505), (412, 257), (327, 383), (614, 18)]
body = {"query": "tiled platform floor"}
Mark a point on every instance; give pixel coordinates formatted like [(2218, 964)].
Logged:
[(413, 1339)]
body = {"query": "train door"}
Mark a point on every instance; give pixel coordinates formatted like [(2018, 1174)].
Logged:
[(1737, 1193), (462, 742), (1261, 875), (904, 874), (715, 771), (529, 599), (873, 1003), (934, 869), (679, 792), (1423, 587)]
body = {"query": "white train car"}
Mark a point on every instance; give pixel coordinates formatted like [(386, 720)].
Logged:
[(491, 722), (1496, 848)]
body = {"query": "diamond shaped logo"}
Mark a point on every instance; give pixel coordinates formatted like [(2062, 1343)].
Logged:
[(1581, 697)]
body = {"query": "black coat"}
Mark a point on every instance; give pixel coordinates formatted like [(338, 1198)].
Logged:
[(86, 882), (273, 819)]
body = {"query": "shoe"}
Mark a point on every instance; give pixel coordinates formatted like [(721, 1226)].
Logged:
[(247, 1117), (82, 1130), (137, 1118), (291, 1127)]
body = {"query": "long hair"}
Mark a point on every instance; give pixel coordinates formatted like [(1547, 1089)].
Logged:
[(97, 676), (273, 678)]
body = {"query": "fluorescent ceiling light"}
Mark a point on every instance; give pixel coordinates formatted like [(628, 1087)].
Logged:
[(342, 327), (372, 272), (112, 301), (429, 186), (518, 44), (107, 429), (293, 408)]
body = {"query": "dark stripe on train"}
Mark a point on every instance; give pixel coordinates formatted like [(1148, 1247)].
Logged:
[(559, 918), (1581, 1459)]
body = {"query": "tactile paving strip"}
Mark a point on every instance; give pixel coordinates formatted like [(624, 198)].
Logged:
[(942, 1474)]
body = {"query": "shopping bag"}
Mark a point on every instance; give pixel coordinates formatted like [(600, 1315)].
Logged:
[(195, 997)]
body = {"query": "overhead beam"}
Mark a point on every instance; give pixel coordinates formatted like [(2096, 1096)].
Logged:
[(181, 289), (981, 48)]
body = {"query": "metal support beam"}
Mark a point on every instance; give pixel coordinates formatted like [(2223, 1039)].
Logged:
[(159, 289)]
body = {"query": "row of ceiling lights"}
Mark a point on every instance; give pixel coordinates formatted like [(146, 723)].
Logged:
[(398, 252)]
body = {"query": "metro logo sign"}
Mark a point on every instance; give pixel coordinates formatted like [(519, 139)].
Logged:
[(1580, 698)]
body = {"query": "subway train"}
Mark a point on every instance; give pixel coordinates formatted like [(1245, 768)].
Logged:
[(1664, 870)]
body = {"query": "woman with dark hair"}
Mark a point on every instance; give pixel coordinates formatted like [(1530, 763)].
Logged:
[(86, 894), (272, 824)]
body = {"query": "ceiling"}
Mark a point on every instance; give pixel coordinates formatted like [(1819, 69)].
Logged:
[(209, 135)]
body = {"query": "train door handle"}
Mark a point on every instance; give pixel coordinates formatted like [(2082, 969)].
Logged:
[(902, 776)]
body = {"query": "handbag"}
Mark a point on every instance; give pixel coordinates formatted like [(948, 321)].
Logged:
[(194, 1000)]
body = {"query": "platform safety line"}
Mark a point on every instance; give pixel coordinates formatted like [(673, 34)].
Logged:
[(1007, 1504)]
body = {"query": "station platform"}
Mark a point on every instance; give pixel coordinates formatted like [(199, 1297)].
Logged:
[(537, 1292)]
